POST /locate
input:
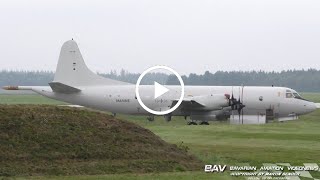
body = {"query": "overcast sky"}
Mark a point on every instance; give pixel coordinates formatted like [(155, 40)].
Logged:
[(189, 36)]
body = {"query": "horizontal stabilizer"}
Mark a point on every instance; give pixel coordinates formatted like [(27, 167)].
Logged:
[(63, 88)]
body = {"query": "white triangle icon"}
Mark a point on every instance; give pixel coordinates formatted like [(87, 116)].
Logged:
[(159, 90)]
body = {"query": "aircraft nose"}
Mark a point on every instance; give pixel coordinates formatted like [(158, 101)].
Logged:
[(309, 107), (312, 107)]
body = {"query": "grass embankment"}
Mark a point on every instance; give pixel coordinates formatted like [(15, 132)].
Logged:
[(49, 140)]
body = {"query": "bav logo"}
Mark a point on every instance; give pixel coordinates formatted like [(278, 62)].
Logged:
[(215, 168)]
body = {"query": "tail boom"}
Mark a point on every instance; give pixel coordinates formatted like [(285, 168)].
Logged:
[(17, 87)]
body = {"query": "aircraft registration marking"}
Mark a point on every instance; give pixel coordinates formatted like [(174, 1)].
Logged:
[(122, 100)]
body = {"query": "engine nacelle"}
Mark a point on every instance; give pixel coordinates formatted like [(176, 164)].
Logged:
[(212, 102)]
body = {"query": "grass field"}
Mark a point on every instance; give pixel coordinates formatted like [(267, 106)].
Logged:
[(315, 97), (293, 142), (27, 99), (153, 176)]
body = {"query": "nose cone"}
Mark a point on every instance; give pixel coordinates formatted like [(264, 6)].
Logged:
[(311, 107)]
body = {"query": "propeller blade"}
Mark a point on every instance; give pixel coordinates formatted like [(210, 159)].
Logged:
[(231, 100), (242, 105), (239, 105), (242, 94), (242, 114), (239, 95)]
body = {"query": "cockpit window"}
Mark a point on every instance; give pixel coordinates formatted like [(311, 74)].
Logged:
[(297, 96), (294, 94), (289, 94)]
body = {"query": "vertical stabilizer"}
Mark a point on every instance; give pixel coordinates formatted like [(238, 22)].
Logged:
[(72, 70)]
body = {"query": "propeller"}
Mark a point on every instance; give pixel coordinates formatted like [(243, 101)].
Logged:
[(233, 101), (237, 104)]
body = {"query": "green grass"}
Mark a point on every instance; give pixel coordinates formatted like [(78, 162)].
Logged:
[(294, 142), (51, 140), (27, 99), (150, 176), (315, 97)]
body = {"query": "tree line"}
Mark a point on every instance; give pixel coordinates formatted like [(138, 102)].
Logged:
[(301, 80)]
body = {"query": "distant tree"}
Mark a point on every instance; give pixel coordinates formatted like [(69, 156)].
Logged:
[(301, 80)]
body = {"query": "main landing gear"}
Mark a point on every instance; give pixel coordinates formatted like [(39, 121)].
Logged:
[(204, 123), (201, 123), (150, 118), (192, 123)]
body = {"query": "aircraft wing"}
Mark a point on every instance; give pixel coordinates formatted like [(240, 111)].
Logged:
[(203, 103), (188, 104)]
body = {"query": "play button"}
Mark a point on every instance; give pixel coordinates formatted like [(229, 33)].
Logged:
[(159, 99), (159, 90)]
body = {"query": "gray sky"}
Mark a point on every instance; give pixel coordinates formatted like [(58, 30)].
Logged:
[(189, 36)]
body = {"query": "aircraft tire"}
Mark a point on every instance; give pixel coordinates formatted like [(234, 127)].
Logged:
[(204, 123), (192, 123)]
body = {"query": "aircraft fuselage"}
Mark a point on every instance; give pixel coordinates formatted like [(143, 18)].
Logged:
[(122, 99)]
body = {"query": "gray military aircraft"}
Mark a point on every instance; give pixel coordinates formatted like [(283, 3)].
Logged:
[(76, 84)]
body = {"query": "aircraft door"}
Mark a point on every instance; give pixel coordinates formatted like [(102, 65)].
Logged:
[(281, 96)]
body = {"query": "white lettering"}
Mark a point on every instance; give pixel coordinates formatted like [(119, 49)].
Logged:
[(207, 168), (243, 168), (271, 168), (214, 168)]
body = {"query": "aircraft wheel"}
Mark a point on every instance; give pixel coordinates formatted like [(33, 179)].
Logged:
[(204, 123), (150, 118), (192, 123)]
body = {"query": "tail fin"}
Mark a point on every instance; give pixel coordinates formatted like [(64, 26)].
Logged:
[(72, 70)]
